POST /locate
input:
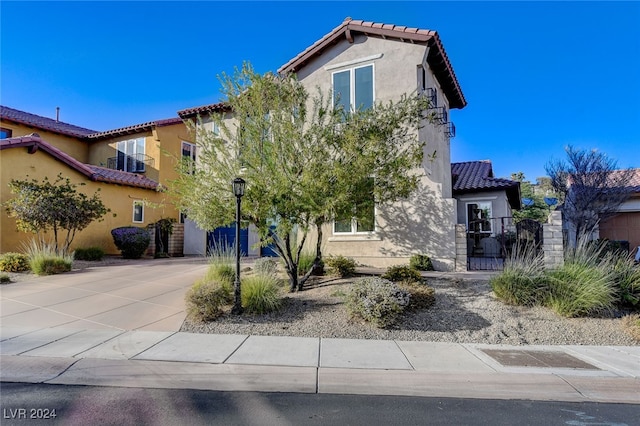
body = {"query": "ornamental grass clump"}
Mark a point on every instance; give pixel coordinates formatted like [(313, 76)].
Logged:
[(522, 281), (627, 277), (585, 284), (131, 241), (44, 260), (260, 294), (266, 266), (377, 300)]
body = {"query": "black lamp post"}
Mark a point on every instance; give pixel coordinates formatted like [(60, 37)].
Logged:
[(238, 190)]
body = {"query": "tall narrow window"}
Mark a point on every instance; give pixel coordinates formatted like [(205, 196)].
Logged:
[(363, 219), (353, 89), (138, 211), (189, 155), (131, 155)]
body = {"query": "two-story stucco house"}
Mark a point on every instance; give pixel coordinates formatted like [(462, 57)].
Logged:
[(128, 165), (362, 63)]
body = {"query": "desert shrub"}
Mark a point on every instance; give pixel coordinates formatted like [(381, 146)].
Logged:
[(422, 296), (631, 324), (205, 300), (627, 278), (421, 262), (266, 266), (260, 294), (5, 279), (522, 281), (402, 273), (340, 265), (131, 241), (14, 262), (377, 300), (45, 260), (89, 253)]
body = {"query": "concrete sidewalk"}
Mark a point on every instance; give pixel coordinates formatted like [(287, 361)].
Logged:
[(118, 326), (158, 359)]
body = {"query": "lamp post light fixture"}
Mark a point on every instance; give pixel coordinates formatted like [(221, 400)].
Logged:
[(238, 190)]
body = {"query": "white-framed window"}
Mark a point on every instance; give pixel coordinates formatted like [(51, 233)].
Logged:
[(364, 218), (353, 89), (138, 211), (131, 155), (479, 215), (189, 154)]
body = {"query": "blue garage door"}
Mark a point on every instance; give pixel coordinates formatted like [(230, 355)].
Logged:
[(270, 249), (225, 237)]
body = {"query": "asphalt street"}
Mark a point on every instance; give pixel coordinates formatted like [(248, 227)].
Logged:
[(28, 404)]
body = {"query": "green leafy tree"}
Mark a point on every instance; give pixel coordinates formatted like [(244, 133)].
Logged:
[(42, 206), (305, 162), (536, 211), (591, 187)]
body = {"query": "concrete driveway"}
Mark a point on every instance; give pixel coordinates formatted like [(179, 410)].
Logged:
[(137, 295)]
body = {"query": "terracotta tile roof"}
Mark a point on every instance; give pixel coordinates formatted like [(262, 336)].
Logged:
[(102, 174), (437, 57), (201, 110), (43, 123), (136, 128), (477, 176), (33, 143), (633, 184)]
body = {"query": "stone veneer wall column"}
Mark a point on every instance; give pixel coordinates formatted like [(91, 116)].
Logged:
[(151, 250), (176, 240), (552, 241), (461, 248)]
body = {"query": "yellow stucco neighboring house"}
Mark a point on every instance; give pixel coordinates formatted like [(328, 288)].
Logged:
[(129, 166)]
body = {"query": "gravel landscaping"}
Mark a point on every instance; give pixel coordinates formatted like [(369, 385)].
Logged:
[(465, 311)]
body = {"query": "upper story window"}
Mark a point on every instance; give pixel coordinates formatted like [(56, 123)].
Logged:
[(5, 133), (189, 154), (131, 155), (353, 88)]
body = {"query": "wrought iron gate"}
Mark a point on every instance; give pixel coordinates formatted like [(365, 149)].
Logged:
[(491, 240)]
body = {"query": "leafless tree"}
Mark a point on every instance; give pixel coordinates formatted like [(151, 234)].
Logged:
[(591, 187)]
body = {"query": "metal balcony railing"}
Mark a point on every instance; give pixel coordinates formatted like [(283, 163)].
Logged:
[(135, 163)]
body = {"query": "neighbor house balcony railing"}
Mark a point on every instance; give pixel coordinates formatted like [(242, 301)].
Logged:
[(135, 163)]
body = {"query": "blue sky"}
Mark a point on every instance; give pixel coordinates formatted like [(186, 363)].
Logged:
[(537, 76)]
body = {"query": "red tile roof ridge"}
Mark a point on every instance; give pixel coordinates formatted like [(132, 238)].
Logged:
[(96, 173), (188, 112), (446, 74), (44, 123)]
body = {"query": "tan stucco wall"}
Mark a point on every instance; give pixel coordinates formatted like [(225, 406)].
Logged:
[(622, 227), (74, 147), (425, 224), (16, 163), (163, 144)]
